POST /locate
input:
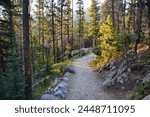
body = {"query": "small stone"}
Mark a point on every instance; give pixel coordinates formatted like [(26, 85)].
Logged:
[(113, 68), (60, 94), (61, 86), (65, 79), (102, 68), (146, 78), (122, 88), (108, 82), (137, 82), (129, 70), (70, 70), (48, 97), (147, 97)]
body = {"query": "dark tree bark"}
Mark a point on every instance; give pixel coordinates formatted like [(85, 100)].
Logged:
[(118, 25), (61, 36), (2, 63), (72, 28), (138, 24), (39, 23), (148, 4), (26, 42), (53, 33), (43, 57), (113, 14), (124, 30)]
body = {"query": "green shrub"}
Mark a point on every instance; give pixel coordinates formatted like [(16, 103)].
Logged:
[(96, 51), (142, 90), (83, 53), (40, 88), (57, 69)]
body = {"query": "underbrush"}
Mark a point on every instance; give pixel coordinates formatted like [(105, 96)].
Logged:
[(56, 71), (141, 90), (40, 88), (96, 62)]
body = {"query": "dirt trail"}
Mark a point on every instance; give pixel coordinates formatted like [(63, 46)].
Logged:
[(86, 84)]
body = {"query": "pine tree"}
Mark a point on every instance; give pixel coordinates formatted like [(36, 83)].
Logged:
[(26, 42), (80, 15), (94, 21), (107, 43), (13, 80), (67, 22)]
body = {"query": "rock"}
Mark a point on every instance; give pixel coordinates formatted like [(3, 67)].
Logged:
[(122, 78), (112, 63), (65, 79), (107, 65), (147, 97), (146, 78), (48, 92), (129, 70), (56, 81), (102, 68), (137, 82), (113, 68), (61, 86), (48, 97), (68, 69), (122, 70), (122, 88), (60, 94), (108, 82)]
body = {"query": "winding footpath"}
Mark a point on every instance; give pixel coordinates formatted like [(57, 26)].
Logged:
[(86, 84)]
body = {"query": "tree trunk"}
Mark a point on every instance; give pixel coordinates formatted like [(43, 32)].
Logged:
[(124, 30), (138, 24), (113, 14), (26, 42), (148, 3), (2, 63), (72, 27), (118, 25), (39, 23), (61, 38), (43, 59), (53, 33)]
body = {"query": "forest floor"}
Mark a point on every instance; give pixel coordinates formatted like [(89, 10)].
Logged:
[(86, 84)]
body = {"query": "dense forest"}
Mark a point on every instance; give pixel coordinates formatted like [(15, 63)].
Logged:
[(39, 38)]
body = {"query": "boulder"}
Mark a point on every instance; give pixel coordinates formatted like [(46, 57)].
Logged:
[(147, 97), (60, 94), (68, 69), (57, 81), (113, 68), (65, 79), (61, 86), (102, 68), (119, 76), (108, 82), (123, 88), (113, 65), (48, 97), (146, 78), (48, 91), (122, 78), (122, 69)]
